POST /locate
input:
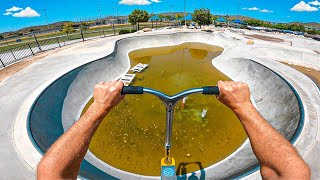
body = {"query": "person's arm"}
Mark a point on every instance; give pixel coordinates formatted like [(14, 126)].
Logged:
[(278, 158), (63, 159)]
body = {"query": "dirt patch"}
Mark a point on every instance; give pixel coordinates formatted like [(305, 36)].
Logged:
[(311, 73), (9, 71), (265, 38)]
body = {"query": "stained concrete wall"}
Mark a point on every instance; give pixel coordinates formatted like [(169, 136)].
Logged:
[(269, 91), (46, 124)]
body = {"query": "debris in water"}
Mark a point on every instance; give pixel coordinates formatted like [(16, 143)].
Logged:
[(188, 155), (204, 113)]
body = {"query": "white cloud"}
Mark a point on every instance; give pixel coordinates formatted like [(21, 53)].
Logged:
[(135, 2), (315, 3), (28, 12), (156, 1), (251, 9), (7, 13), (14, 8), (266, 11), (302, 6)]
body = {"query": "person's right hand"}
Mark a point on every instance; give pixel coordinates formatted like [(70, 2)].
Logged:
[(107, 95), (234, 94)]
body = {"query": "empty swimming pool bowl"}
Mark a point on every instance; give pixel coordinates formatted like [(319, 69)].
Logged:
[(56, 105)]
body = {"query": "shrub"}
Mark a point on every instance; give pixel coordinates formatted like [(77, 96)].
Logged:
[(124, 31)]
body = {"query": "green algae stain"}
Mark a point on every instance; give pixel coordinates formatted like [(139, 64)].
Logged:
[(131, 137)]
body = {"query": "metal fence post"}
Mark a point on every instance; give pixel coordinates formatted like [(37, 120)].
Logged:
[(35, 38), (13, 54), (2, 63), (30, 49), (114, 31), (58, 42), (10, 50), (81, 34)]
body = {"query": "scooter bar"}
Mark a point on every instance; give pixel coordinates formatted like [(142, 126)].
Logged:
[(170, 102), (207, 90)]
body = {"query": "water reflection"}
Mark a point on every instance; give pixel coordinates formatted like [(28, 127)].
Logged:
[(199, 54)]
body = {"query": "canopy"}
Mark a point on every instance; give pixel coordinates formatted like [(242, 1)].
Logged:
[(154, 18), (221, 20), (238, 21), (188, 18)]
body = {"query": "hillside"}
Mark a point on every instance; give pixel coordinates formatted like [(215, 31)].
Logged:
[(60, 23), (42, 27)]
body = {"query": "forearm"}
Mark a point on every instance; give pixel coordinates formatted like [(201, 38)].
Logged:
[(273, 151), (64, 157)]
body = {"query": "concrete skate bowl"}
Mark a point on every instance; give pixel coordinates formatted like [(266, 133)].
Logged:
[(61, 103)]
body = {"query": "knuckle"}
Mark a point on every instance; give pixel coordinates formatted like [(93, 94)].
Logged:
[(113, 89)]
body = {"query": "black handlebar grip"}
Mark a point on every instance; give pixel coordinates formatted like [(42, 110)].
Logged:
[(132, 90), (211, 90)]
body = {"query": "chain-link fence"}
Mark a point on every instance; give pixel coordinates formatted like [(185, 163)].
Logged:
[(17, 48)]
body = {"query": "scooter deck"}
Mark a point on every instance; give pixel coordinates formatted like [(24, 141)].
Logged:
[(168, 171)]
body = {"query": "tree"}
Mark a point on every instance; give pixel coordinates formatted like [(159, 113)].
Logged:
[(85, 25), (137, 16), (178, 16), (168, 17), (202, 16), (68, 28), (161, 17), (1, 37)]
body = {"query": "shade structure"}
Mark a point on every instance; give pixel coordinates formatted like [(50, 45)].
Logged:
[(154, 18), (221, 20), (187, 17), (238, 21)]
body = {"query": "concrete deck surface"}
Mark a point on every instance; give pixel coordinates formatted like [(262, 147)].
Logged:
[(16, 91)]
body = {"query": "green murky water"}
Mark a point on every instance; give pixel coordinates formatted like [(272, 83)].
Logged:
[(131, 137)]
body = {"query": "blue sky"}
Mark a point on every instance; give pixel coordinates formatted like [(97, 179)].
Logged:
[(16, 14)]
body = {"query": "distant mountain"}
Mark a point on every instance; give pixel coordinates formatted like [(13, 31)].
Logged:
[(61, 23), (312, 24), (242, 18), (35, 28), (42, 27)]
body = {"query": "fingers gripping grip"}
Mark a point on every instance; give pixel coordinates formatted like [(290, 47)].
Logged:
[(132, 90), (208, 90)]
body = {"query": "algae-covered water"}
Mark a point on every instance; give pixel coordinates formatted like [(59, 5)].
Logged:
[(131, 137)]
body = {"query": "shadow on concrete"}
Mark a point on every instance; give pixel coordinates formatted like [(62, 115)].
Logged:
[(182, 171)]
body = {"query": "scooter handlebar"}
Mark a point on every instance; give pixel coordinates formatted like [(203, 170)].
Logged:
[(132, 90), (207, 90), (210, 90)]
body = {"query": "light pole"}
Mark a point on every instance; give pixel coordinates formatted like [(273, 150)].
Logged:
[(185, 14), (45, 15)]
